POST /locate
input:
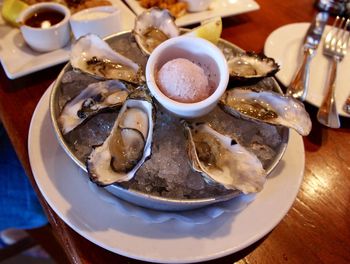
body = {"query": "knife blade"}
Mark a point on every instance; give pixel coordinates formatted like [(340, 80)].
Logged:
[(300, 82)]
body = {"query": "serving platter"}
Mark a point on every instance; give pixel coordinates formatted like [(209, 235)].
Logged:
[(131, 192), (67, 191)]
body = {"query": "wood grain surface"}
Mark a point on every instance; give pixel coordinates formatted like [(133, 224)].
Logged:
[(315, 230)]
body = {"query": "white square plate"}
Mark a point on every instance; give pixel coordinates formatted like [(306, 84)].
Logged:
[(18, 59), (222, 8)]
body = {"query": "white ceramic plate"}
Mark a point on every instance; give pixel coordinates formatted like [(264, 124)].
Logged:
[(221, 8), (68, 193), (18, 59), (285, 46)]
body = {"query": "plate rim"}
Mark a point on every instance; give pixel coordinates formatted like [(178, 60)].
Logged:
[(70, 222)]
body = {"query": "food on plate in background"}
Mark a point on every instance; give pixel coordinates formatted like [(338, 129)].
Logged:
[(12, 8), (184, 81), (76, 6), (176, 8)]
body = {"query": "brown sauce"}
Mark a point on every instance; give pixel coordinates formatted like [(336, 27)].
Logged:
[(44, 18)]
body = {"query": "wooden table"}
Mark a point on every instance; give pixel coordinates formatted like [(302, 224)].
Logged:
[(315, 230)]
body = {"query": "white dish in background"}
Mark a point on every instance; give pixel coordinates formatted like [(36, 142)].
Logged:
[(285, 46), (48, 38), (68, 193), (101, 20), (18, 59), (221, 8)]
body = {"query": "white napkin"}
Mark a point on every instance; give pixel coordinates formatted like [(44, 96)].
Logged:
[(197, 216)]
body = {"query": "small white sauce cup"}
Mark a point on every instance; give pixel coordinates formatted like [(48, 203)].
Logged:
[(45, 39), (102, 21), (199, 51), (197, 5)]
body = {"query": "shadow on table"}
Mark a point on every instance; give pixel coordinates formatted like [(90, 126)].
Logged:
[(319, 133)]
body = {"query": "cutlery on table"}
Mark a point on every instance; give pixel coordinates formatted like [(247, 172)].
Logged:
[(335, 46), (299, 84)]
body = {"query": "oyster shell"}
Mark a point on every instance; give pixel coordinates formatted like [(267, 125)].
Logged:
[(92, 55), (152, 27), (220, 159), (95, 98), (250, 65), (127, 146), (268, 107)]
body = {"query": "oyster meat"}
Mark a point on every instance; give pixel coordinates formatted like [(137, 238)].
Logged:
[(250, 65), (127, 146), (220, 159), (92, 55), (153, 27), (95, 98), (268, 107)]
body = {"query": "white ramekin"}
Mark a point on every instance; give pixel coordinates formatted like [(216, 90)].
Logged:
[(45, 39), (195, 49), (84, 22)]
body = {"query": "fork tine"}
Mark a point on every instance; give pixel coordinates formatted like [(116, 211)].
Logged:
[(345, 28), (346, 42), (329, 40), (340, 38), (339, 28), (344, 39), (336, 22), (335, 39)]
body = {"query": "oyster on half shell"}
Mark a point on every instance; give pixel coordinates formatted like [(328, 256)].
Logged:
[(95, 98), (127, 146), (250, 65), (153, 27), (92, 55), (268, 107), (220, 159)]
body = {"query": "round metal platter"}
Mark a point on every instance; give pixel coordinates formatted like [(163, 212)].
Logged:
[(134, 196)]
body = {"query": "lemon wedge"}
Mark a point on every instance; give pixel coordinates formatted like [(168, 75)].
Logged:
[(209, 29), (11, 10)]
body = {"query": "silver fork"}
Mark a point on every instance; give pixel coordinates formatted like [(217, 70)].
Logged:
[(335, 46)]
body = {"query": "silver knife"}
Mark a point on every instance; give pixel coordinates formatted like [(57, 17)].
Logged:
[(299, 85)]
